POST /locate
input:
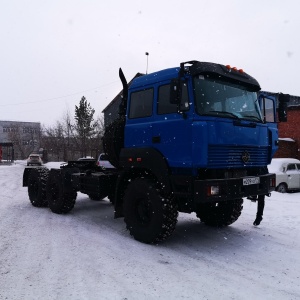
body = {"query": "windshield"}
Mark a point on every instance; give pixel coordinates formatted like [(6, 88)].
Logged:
[(218, 98)]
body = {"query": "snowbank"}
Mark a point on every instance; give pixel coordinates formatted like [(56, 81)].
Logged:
[(87, 254)]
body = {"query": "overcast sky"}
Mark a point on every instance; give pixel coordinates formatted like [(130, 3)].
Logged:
[(53, 52)]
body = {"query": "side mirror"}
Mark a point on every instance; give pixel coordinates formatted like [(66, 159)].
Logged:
[(283, 99), (175, 91)]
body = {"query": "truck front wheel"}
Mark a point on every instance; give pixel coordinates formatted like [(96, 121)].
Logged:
[(149, 217), (220, 214), (37, 187), (60, 199)]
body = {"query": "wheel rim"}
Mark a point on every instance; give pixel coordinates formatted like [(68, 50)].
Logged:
[(281, 189)]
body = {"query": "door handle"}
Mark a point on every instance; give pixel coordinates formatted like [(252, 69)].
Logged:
[(156, 139)]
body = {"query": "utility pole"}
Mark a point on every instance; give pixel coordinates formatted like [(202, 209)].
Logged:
[(147, 54)]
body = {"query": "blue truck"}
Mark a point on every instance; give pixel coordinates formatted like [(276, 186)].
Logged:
[(194, 138)]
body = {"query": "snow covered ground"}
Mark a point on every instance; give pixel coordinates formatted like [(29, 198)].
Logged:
[(87, 254)]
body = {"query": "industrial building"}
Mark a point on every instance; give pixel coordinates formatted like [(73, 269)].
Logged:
[(18, 139)]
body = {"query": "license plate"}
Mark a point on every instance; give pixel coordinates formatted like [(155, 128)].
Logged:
[(250, 180)]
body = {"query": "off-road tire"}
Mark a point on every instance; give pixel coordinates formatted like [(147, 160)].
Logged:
[(281, 188), (149, 217), (60, 199), (222, 214), (37, 182)]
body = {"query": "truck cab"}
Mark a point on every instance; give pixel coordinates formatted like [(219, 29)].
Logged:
[(204, 126)]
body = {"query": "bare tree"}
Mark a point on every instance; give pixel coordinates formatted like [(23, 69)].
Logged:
[(63, 140), (53, 140), (95, 143), (100, 125)]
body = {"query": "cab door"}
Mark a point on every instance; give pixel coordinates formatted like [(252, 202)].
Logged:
[(267, 105), (138, 129), (172, 132)]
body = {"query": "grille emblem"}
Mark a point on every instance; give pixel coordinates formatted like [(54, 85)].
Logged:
[(245, 157)]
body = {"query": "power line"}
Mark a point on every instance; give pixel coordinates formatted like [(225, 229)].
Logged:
[(60, 97)]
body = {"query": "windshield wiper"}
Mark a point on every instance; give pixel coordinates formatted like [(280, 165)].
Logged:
[(226, 113), (253, 117)]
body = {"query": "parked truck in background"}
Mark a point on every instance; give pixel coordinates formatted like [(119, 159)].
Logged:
[(195, 138)]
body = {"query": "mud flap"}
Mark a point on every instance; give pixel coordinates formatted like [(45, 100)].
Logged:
[(260, 209)]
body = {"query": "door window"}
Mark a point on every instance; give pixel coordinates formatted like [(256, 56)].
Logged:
[(164, 106), (141, 104), (291, 167)]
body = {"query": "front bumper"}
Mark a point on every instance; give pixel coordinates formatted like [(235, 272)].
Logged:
[(232, 188)]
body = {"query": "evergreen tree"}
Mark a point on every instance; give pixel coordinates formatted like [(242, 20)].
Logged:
[(84, 123)]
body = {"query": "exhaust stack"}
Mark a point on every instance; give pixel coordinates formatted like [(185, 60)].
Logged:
[(123, 105)]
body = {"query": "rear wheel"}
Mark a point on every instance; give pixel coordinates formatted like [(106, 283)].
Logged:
[(37, 182), (281, 188), (61, 200), (150, 218), (220, 214)]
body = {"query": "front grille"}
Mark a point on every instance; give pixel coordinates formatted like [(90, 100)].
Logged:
[(222, 156)]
